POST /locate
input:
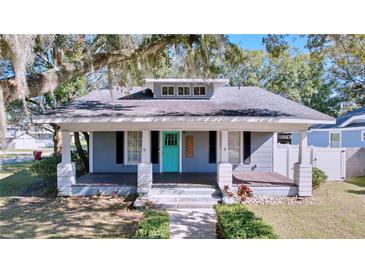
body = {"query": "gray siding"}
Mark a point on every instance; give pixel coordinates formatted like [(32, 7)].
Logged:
[(200, 160), (157, 90), (104, 155), (261, 153)]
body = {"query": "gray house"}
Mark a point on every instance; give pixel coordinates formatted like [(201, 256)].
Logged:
[(349, 131), (183, 131)]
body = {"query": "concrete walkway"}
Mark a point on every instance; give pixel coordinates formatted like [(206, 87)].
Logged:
[(192, 223)]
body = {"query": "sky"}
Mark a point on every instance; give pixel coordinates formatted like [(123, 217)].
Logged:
[(254, 41)]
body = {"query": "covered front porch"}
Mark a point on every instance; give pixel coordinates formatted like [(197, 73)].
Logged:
[(178, 157), (261, 183)]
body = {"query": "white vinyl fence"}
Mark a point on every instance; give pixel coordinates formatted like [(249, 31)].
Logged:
[(331, 160)]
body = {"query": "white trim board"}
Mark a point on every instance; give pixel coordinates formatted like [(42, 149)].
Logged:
[(166, 119), (352, 119), (338, 129)]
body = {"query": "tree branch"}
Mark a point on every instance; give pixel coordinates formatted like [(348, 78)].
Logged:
[(49, 80)]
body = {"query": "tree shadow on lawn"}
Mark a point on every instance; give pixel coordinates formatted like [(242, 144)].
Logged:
[(77, 217), (358, 192)]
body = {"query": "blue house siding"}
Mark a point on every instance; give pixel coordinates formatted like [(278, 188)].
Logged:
[(200, 160), (261, 153), (104, 155), (315, 138), (351, 138)]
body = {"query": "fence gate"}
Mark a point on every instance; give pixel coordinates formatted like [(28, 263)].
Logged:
[(331, 160)]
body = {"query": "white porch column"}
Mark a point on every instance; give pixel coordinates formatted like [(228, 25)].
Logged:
[(66, 170), (91, 152), (224, 168), (303, 168), (144, 170)]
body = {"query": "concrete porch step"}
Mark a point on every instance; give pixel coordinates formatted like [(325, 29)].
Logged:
[(183, 192), (174, 185), (183, 204), (183, 197)]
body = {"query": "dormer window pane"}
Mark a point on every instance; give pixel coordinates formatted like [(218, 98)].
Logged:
[(185, 91), (199, 91), (167, 91)]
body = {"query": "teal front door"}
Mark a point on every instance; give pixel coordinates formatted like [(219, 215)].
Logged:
[(170, 151)]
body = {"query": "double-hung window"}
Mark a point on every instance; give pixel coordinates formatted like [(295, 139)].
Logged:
[(199, 91), (168, 91), (134, 147), (234, 147), (335, 139), (184, 91)]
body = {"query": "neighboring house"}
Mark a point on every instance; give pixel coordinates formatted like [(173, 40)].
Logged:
[(17, 138), (349, 131), (183, 131)]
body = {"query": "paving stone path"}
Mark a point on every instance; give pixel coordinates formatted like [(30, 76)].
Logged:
[(192, 223)]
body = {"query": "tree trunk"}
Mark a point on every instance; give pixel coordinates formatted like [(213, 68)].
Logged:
[(80, 152), (86, 136), (57, 140)]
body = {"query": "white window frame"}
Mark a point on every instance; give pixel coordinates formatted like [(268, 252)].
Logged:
[(329, 138), (240, 146), (126, 148), (200, 86), (168, 86), (363, 136), (177, 90)]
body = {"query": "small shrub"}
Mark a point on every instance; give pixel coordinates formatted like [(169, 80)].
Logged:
[(318, 177), (237, 222), (46, 168), (243, 192), (154, 225)]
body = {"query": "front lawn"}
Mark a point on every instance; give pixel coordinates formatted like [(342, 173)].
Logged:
[(29, 208), (18, 180), (76, 217), (337, 211)]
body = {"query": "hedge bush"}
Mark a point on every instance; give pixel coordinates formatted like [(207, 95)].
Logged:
[(318, 177), (237, 222), (154, 225), (46, 168)]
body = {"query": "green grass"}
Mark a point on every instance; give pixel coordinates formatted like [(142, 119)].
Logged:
[(18, 180), (359, 181), (337, 211), (154, 225), (237, 222)]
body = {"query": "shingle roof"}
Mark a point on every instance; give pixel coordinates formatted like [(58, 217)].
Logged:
[(227, 101), (343, 118)]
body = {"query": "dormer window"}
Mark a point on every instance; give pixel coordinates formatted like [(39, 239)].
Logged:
[(183, 91), (168, 91), (199, 91)]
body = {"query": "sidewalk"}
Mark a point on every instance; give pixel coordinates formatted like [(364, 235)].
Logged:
[(192, 223)]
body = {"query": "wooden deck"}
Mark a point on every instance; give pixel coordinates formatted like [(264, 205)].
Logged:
[(261, 179), (210, 179)]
